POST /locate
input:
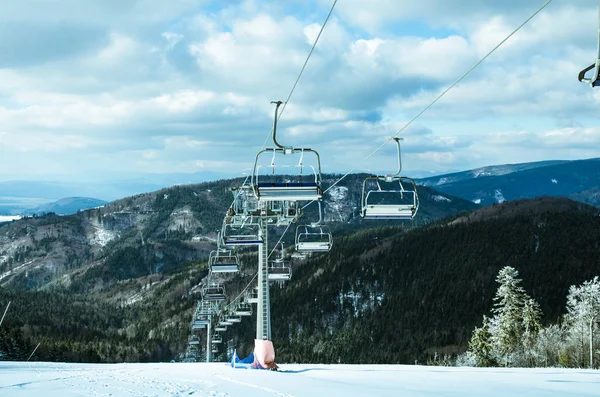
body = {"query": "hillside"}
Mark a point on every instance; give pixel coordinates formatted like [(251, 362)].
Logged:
[(137, 254), (155, 232), (578, 179), (382, 295)]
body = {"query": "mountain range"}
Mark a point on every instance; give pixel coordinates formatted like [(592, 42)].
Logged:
[(118, 282), (576, 179)]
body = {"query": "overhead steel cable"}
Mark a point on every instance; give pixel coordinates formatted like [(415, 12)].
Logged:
[(283, 108), (437, 98), (461, 78), (297, 80)]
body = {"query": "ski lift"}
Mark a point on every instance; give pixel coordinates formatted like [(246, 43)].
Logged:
[(314, 237), (205, 308), (217, 338), (223, 260), (279, 269), (243, 309), (201, 321), (396, 202), (213, 292), (220, 328), (194, 340), (594, 79), (302, 187), (245, 202), (242, 230), (234, 319), (225, 323), (215, 349), (252, 296), (197, 326)]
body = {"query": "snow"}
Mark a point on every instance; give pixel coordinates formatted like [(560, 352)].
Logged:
[(8, 218), (477, 201), (102, 237), (554, 181), (21, 379), (337, 203), (499, 197), (440, 198)]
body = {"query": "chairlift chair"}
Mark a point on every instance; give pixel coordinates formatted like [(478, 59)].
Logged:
[(253, 296), (196, 327), (392, 203), (220, 328), (205, 308), (245, 201), (217, 338), (201, 321), (223, 261), (213, 292), (279, 269), (243, 309), (234, 319), (302, 187), (314, 237), (194, 340), (594, 79), (242, 231)]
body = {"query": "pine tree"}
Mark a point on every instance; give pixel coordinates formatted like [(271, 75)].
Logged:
[(583, 315), (481, 344), (531, 328), (515, 322), (507, 319)]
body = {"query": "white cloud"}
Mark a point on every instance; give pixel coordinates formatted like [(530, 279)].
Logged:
[(174, 87)]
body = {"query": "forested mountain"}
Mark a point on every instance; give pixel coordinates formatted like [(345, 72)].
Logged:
[(577, 179), (386, 295), (155, 232), (116, 283)]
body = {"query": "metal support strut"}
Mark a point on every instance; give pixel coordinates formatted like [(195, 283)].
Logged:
[(263, 315), (208, 340)]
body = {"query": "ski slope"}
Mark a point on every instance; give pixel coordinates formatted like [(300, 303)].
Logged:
[(185, 379)]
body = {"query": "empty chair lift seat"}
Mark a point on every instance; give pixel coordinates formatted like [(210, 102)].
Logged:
[(291, 191), (253, 296), (234, 319), (243, 310), (280, 271), (280, 276), (222, 266), (315, 238), (381, 211), (214, 293), (198, 326)]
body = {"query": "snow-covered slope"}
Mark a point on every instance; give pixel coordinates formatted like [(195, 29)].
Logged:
[(19, 379)]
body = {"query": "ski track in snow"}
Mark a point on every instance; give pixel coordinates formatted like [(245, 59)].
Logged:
[(281, 394), (20, 379)]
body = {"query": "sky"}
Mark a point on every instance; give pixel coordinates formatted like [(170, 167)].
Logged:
[(123, 88)]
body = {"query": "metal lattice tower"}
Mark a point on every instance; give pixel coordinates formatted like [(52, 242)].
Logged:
[(263, 312)]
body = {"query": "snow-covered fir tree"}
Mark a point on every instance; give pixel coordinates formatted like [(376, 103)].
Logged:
[(512, 330), (582, 318), (480, 345)]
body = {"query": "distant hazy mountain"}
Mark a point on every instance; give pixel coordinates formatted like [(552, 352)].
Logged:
[(17, 197), (577, 179), (67, 206)]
